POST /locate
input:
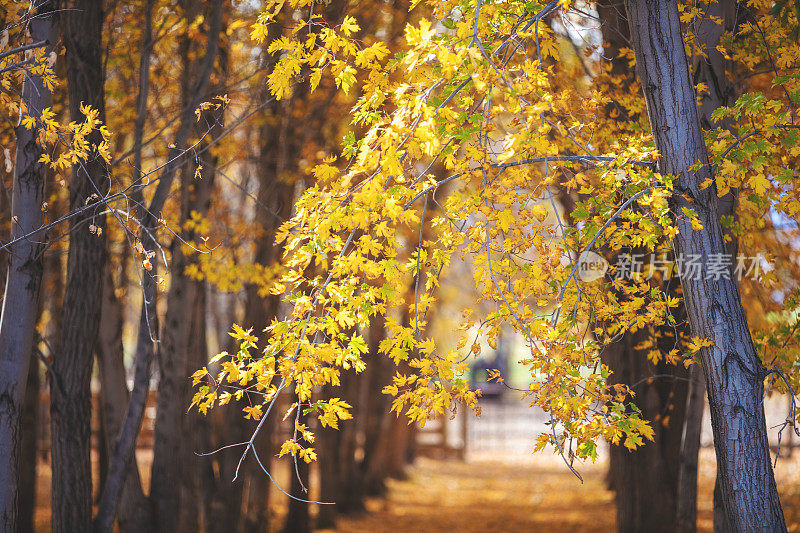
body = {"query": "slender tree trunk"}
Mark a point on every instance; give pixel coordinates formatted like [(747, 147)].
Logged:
[(272, 209), (27, 457), (134, 512), (298, 518), (734, 374), (148, 323), (168, 491), (178, 475), (690, 449), (134, 506), (23, 281)]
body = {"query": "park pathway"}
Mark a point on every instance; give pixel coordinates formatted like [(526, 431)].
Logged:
[(536, 494), (525, 493)]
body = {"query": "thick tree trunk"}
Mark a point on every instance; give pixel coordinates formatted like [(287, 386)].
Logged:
[(340, 483), (175, 482), (734, 374), (400, 446), (645, 479), (377, 413), (715, 70), (341, 475), (71, 402), (23, 281), (351, 496), (328, 477)]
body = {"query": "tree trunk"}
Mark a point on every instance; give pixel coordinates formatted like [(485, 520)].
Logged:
[(715, 71), (71, 402), (328, 477), (27, 457), (733, 372), (175, 483), (133, 511), (178, 474), (645, 479), (23, 281), (351, 496), (340, 483), (298, 518), (272, 209), (200, 473), (378, 416), (690, 449), (148, 323)]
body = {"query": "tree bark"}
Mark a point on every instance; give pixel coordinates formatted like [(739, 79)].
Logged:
[(27, 457), (175, 483), (23, 281), (721, 524), (733, 372), (134, 508), (645, 479), (148, 323), (71, 403), (298, 518)]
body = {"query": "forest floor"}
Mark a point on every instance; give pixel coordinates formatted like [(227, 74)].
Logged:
[(536, 493), (507, 493)]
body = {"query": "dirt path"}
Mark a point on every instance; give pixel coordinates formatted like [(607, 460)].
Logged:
[(486, 495), (534, 494)]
